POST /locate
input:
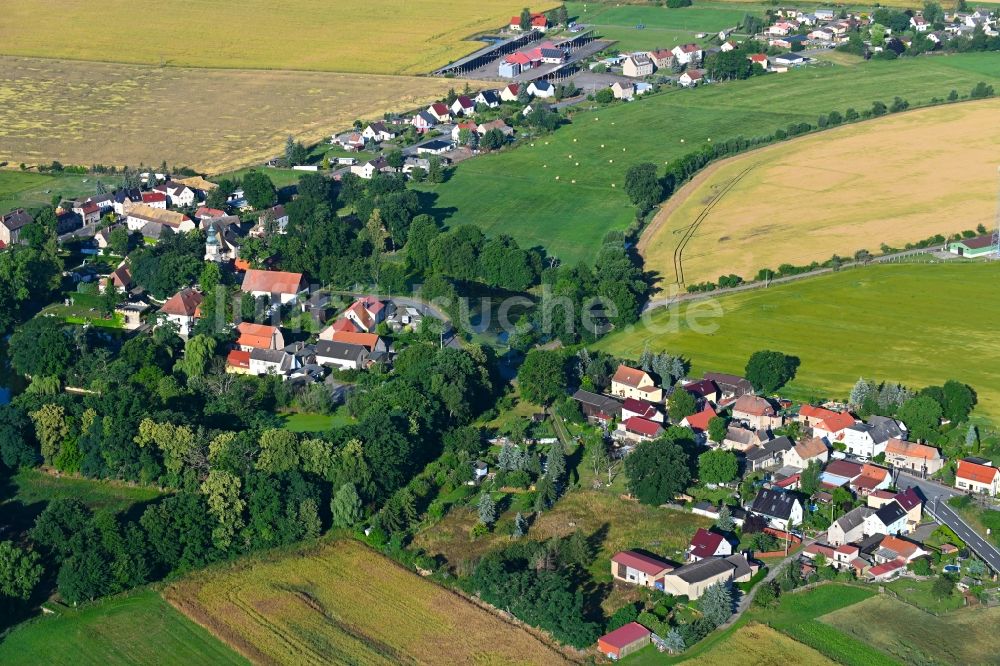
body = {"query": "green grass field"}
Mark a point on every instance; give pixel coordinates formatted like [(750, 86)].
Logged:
[(516, 192), (918, 593), (919, 324), (664, 28), (914, 637), (303, 422), (24, 495), (24, 189), (139, 628)]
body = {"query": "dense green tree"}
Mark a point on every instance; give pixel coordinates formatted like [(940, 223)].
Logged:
[(542, 377), (922, 415), (16, 446), (258, 189), (716, 604), (959, 400), (717, 429), (40, 348), (20, 571), (658, 470), (770, 370), (726, 65), (809, 481), (681, 404), (346, 506), (717, 466), (642, 186)]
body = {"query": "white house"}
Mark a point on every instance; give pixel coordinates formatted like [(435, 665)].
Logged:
[(849, 527), (687, 54), (541, 88), (179, 194), (272, 362), (890, 519), (867, 440), (182, 310), (463, 106), (276, 285), (977, 475), (707, 544), (621, 90), (489, 98), (378, 132), (691, 78), (805, 452), (637, 65), (782, 509), (343, 355)]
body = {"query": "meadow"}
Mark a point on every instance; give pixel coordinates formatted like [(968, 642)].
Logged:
[(209, 119), (341, 602), (832, 192), (137, 628), (377, 37), (941, 326), (915, 637), (27, 189), (564, 191)]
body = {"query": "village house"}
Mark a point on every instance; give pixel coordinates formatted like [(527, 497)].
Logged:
[(807, 451), (541, 88), (661, 58), (538, 22), (177, 194), (742, 439), (977, 475), (907, 499), (440, 111), (633, 383), (894, 548), (423, 121), (596, 407), (687, 54), (758, 413), (378, 132), (271, 220), (366, 313), (141, 216), (11, 225), (917, 458), (510, 92), (279, 286), (273, 362), (624, 640), (691, 580), (867, 440), (119, 279), (872, 478), (983, 246), (707, 544), (625, 91), (825, 423), (888, 519), (154, 199), (238, 362), (341, 354), (182, 309), (730, 387), (259, 336), (641, 408), (629, 566), (638, 429), (691, 78), (637, 65), (371, 167), (221, 242), (698, 422), (435, 147), (124, 199), (489, 98), (497, 124), (88, 211), (840, 473), (463, 106), (131, 314), (782, 509), (850, 527), (375, 345), (456, 131)]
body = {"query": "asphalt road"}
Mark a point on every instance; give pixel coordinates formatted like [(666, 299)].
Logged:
[(937, 496)]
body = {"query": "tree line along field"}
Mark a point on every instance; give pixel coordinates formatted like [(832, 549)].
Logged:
[(854, 187), (941, 326), (209, 119), (136, 628), (342, 602), (377, 37), (517, 191)]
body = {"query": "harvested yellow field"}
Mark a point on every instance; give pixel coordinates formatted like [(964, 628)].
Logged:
[(343, 603), (758, 645), (377, 36), (894, 180), (209, 119)]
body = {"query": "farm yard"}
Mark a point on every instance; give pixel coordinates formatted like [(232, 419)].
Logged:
[(341, 602), (562, 184), (136, 628), (377, 37), (92, 112), (832, 192), (940, 311)]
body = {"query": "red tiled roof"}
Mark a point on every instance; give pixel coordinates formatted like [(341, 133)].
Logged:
[(819, 549), (753, 405), (148, 197), (642, 426), (440, 109), (368, 340), (260, 336), (628, 376), (828, 420), (699, 421), (272, 282), (184, 303), (847, 549), (238, 358), (899, 546), (625, 636), (888, 567), (209, 213), (971, 471), (344, 324), (705, 543), (640, 407), (900, 447), (644, 563), (844, 468), (702, 388)]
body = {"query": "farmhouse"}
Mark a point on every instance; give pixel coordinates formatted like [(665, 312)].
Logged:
[(11, 224), (707, 544), (341, 354), (691, 580), (374, 344), (661, 58), (983, 246), (497, 124), (756, 412), (88, 211), (510, 92), (741, 439), (691, 78), (699, 421), (867, 440), (639, 429), (182, 310), (541, 88), (805, 452), (636, 568), (277, 285), (889, 519), (489, 98), (918, 458), (977, 475), (378, 132), (633, 383), (598, 407), (782, 509), (687, 54), (730, 386), (366, 313), (259, 336), (621, 90), (624, 641), (141, 215), (825, 423), (637, 65)]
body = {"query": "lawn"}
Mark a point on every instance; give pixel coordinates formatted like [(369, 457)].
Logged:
[(913, 637), (138, 628), (24, 495), (918, 593), (379, 37), (25, 189), (304, 422), (797, 616), (96, 112), (832, 192), (344, 603), (663, 27), (840, 327), (517, 191)]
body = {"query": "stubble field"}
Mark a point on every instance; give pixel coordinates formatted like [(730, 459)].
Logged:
[(344, 603), (894, 180), (374, 37), (209, 119)]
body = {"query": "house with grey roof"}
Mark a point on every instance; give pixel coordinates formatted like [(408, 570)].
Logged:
[(867, 440), (343, 355), (850, 527), (11, 225), (768, 454), (691, 580), (782, 509)]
